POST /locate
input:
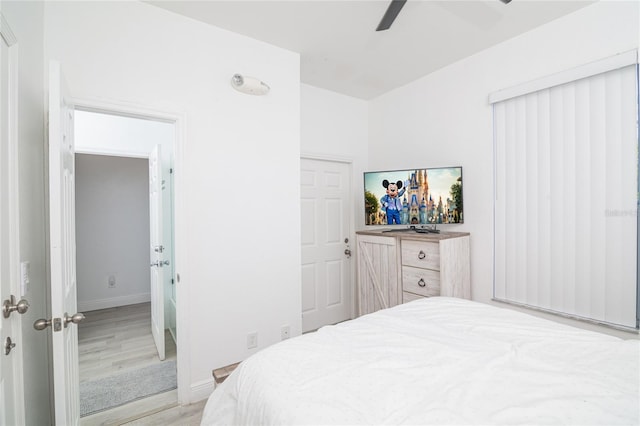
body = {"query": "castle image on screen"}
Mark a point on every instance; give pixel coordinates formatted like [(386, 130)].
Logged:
[(414, 197)]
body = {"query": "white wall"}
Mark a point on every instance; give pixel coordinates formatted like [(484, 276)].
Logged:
[(445, 119), (26, 20), (240, 252), (335, 126), (112, 231)]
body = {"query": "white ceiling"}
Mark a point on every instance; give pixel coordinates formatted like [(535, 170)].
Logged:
[(341, 51)]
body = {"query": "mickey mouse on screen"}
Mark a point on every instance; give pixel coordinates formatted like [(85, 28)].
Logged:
[(391, 203)]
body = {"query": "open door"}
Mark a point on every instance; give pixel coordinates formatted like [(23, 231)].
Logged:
[(158, 262), (11, 349), (62, 252)]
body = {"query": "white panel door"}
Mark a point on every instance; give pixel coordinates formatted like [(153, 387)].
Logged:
[(326, 268), (62, 249), (156, 249), (11, 390)]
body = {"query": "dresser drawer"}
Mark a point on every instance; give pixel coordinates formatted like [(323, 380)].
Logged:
[(421, 254), (424, 282), (408, 297)]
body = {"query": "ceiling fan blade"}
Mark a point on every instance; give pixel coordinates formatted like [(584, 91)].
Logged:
[(390, 15)]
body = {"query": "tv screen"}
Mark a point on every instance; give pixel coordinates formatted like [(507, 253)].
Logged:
[(414, 197)]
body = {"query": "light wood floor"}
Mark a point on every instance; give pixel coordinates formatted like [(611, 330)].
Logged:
[(114, 340), (162, 409), (111, 341)]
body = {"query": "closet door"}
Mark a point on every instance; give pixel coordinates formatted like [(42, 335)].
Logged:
[(325, 190)]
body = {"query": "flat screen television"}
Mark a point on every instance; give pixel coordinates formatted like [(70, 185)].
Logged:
[(414, 197)]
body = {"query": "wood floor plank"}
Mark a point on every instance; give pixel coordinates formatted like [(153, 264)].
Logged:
[(133, 411), (187, 415)]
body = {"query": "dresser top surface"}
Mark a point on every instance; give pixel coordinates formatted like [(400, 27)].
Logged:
[(412, 235)]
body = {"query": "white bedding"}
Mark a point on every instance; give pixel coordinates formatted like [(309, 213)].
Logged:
[(436, 361)]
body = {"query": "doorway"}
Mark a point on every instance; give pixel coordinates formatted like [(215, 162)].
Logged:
[(325, 194), (115, 258)]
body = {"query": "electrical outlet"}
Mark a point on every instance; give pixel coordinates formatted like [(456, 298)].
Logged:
[(252, 340), (112, 281), (285, 332)]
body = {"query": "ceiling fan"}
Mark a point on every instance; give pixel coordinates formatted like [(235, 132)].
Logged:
[(394, 9)]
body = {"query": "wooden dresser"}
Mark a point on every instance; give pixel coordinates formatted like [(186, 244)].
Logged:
[(397, 267)]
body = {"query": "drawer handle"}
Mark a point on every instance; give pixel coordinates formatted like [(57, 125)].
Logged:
[(421, 255), (421, 283)]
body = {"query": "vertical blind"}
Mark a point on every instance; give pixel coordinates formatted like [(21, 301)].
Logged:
[(566, 193)]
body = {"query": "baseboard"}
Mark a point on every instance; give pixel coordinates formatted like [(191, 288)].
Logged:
[(131, 299), (201, 390)]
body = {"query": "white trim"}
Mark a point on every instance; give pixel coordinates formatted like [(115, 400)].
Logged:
[(125, 109), (326, 157), (112, 153), (598, 67), (201, 390), (179, 121), (112, 302)]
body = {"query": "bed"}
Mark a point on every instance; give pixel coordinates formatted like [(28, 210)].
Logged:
[(436, 361)]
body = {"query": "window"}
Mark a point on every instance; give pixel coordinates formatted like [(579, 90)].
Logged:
[(566, 192)]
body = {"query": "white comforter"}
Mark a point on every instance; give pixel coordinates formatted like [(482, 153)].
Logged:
[(436, 361)]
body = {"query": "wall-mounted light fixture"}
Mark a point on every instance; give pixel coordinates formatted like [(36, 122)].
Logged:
[(249, 85)]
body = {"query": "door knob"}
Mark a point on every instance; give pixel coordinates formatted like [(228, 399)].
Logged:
[(41, 324), (10, 305), (347, 252), (75, 318)]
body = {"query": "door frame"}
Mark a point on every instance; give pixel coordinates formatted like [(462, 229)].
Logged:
[(351, 206), (179, 225), (14, 214)]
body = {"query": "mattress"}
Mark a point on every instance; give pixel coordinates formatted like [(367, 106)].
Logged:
[(436, 361)]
